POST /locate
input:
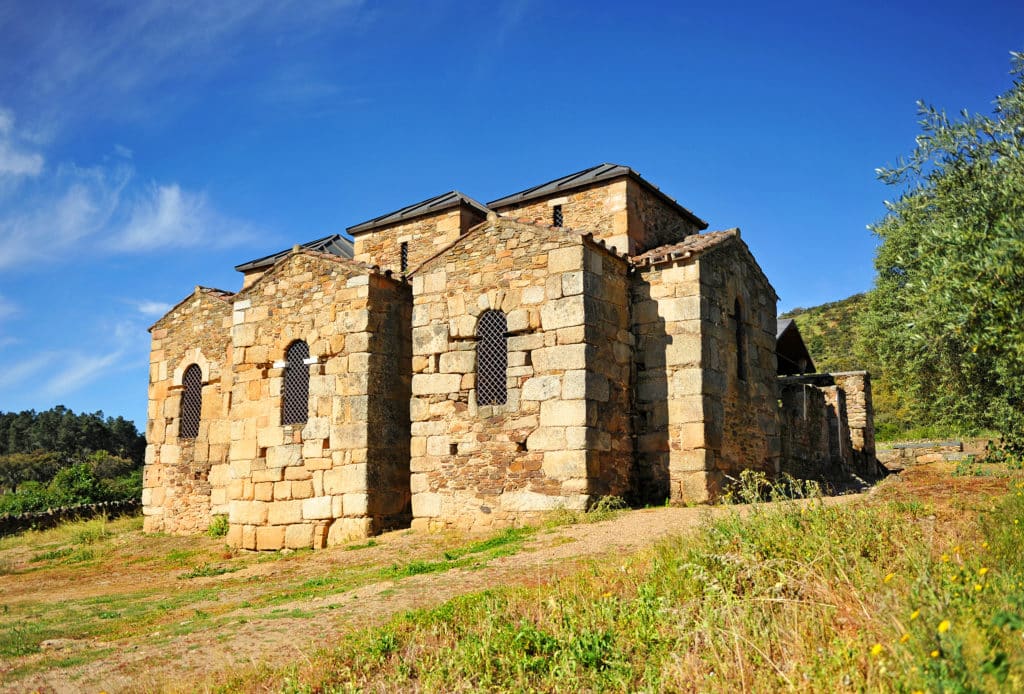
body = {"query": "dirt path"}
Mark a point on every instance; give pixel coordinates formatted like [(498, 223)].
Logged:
[(249, 636)]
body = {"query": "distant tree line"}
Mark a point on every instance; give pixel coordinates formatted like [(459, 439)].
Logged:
[(60, 458)]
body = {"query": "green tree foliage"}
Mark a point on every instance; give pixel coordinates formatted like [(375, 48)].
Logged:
[(61, 430), (946, 318), (59, 458)]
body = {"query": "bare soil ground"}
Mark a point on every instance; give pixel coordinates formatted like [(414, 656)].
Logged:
[(141, 615)]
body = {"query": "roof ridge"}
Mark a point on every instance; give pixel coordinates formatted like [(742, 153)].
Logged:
[(429, 205), (522, 221), (268, 259), (692, 244)]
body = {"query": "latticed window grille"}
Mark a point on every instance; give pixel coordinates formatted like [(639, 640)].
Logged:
[(295, 393), (557, 216), (191, 402), (491, 358), (404, 249)]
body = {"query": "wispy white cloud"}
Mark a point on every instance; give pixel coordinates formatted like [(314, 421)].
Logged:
[(15, 375), (151, 308), (82, 210), (79, 370), (127, 59), (15, 161), (7, 307), (166, 216)]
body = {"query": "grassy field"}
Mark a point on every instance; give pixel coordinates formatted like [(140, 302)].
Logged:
[(918, 586)]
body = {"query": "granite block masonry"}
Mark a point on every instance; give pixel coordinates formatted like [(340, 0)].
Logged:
[(474, 366)]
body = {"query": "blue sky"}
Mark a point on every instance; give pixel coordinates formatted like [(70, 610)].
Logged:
[(147, 146)]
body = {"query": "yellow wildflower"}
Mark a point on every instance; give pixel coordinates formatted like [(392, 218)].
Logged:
[(945, 557), (977, 586), (915, 614), (904, 638), (889, 576), (982, 571), (934, 654), (984, 544), (943, 626), (877, 649)]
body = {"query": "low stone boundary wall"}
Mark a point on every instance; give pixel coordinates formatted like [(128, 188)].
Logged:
[(922, 452), (12, 524)]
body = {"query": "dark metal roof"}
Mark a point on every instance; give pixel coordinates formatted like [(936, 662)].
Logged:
[(595, 174), (335, 244), (790, 350), (781, 326), (452, 198)]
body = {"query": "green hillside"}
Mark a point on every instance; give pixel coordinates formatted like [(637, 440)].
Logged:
[(830, 333), (833, 335)]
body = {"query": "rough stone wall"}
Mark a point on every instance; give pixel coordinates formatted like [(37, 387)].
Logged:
[(851, 413), (652, 221), (302, 485), (806, 432), (609, 377), (840, 446), (600, 209), (388, 392), (860, 413), (183, 480), (425, 236), (671, 459), (622, 213), (473, 465), (741, 426)]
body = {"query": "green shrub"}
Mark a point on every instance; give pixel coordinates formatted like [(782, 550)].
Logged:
[(218, 526)]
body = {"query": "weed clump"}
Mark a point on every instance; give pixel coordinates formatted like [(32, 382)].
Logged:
[(218, 526)]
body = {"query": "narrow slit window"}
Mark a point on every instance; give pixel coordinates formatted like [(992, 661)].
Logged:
[(404, 254), (741, 342), (491, 359), (295, 393), (556, 216), (191, 402)]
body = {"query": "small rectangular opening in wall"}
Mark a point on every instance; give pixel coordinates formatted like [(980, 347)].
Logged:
[(453, 449), (556, 215), (262, 453), (404, 253)]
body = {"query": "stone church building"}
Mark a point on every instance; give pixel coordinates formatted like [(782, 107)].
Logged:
[(468, 365)]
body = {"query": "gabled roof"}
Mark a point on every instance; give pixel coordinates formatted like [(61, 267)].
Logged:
[(332, 258), (495, 221), (445, 201), (200, 291), (692, 245), (595, 174), (781, 326), (335, 244), (790, 349)]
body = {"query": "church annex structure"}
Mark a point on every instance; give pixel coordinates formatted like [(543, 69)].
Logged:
[(472, 366)]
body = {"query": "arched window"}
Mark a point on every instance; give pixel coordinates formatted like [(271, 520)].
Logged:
[(191, 402), (741, 341), (295, 392), (491, 359)]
